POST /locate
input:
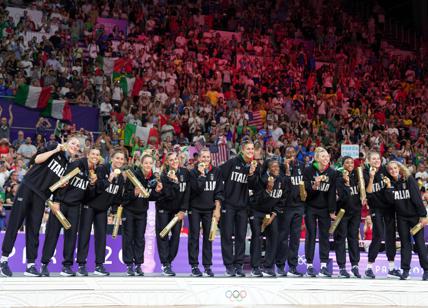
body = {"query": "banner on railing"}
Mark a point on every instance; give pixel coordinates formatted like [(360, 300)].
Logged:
[(83, 117)]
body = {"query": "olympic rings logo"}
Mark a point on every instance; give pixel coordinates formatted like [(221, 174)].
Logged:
[(236, 295)]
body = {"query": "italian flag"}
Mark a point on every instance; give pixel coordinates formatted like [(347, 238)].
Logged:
[(144, 133), (127, 85), (33, 97), (58, 109), (122, 71), (130, 85)]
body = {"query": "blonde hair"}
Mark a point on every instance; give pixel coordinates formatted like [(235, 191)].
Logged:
[(318, 152), (404, 171), (205, 150), (371, 153)]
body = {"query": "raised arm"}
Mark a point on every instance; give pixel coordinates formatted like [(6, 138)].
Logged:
[(42, 157)]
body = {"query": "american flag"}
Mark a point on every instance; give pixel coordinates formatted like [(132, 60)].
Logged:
[(219, 152), (255, 119)]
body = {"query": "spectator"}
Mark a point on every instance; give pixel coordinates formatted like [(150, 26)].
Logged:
[(52, 140), (40, 142), (20, 140), (4, 173), (27, 150), (42, 126), (105, 109), (4, 147), (5, 124)]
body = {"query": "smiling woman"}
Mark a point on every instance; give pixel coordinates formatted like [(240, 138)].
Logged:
[(320, 184), (68, 200), (382, 212), (172, 203), (403, 192), (49, 166), (107, 193)]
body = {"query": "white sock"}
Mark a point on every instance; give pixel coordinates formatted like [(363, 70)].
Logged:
[(391, 265), (369, 266), (4, 259), (30, 265), (355, 266), (309, 265), (323, 264)]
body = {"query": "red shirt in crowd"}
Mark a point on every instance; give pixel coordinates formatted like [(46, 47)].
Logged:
[(119, 116), (380, 116), (4, 149)]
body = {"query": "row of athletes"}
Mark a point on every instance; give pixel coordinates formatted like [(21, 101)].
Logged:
[(233, 194)]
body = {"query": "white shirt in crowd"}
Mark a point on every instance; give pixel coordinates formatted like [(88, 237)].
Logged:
[(27, 66), (93, 50), (27, 151), (117, 93), (276, 133), (105, 109), (131, 119), (3, 177)]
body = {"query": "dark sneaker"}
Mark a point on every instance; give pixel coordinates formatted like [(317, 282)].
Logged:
[(405, 275), (369, 273), (130, 270), (196, 272), (230, 271), (268, 272), (310, 272), (343, 273), (208, 272), (256, 272), (395, 274), (32, 271), (5, 270), (281, 271), (425, 276), (355, 272), (293, 272), (100, 271), (324, 272), (67, 271), (139, 271), (44, 271), (81, 271), (167, 271), (239, 271)]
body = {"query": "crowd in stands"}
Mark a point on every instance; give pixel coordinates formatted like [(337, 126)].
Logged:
[(284, 73)]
